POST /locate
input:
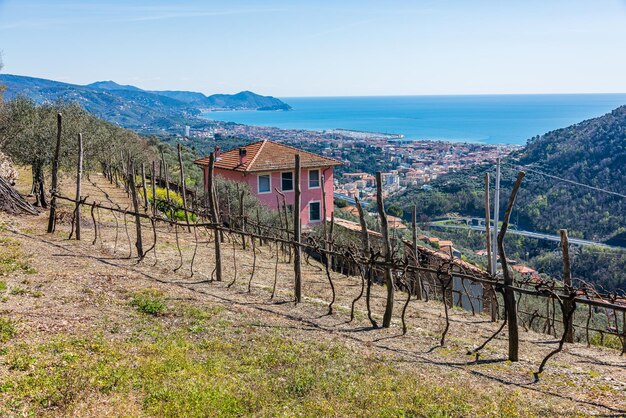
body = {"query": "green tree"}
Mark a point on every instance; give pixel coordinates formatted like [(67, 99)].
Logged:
[(395, 210), (29, 137)]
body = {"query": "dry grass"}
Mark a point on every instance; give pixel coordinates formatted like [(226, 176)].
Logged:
[(86, 340)]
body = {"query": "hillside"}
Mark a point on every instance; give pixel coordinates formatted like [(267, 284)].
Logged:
[(132, 107), (593, 153), (590, 152), (86, 331)]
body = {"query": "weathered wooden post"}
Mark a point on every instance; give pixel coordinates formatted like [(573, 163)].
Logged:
[(567, 281), (133, 192), (384, 227), (166, 177), (327, 245), (215, 219), (417, 280), (125, 166), (493, 308), (183, 186), (325, 242), (144, 188), (297, 259), (509, 294), (55, 177), (154, 198), (242, 217), (365, 243), (79, 175)]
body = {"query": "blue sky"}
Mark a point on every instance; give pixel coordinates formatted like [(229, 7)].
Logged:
[(322, 48)]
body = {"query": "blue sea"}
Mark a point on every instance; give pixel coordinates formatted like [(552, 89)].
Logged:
[(492, 119)]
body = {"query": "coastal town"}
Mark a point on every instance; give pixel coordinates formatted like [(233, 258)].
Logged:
[(403, 162)]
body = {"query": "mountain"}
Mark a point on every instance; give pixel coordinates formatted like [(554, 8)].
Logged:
[(132, 107), (111, 85), (246, 99), (189, 97)]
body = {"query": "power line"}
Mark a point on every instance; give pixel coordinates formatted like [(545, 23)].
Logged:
[(569, 181)]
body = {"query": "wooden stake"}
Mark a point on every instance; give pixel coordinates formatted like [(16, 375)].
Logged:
[(55, 177), (242, 217), (183, 190), (143, 186), (79, 175), (324, 231), (567, 281), (166, 177), (297, 260), (215, 219), (493, 308), (154, 198), (365, 243), (327, 244), (417, 282), (384, 227), (509, 295), (133, 193)]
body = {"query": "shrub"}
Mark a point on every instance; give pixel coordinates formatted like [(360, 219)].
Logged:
[(173, 208), (7, 330), (149, 301)]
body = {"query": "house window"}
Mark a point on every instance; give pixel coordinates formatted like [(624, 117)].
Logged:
[(286, 180), (265, 185), (315, 213), (314, 179)]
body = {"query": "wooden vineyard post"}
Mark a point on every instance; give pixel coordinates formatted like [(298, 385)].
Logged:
[(154, 198), (144, 188), (125, 165), (79, 175), (493, 309), (242, 217), (297, 259), (215, 219), (327, 243), (384, 227), (183, 190), (417, 280), (55, 177), (567, 281), (509, 295), (365, 243), (133, 193), (166, 177)]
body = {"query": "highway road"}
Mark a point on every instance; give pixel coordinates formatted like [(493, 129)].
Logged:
[(537, 235)]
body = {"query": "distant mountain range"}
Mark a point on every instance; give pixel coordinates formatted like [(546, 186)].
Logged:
[(132, 107)]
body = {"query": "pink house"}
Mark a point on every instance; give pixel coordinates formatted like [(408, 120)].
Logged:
[(268, 167)]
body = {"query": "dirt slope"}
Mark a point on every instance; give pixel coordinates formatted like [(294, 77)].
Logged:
[(70, 288)]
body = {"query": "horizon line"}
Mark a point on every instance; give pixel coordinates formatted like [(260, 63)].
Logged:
[(453, 95)]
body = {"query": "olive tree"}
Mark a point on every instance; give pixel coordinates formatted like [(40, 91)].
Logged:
[(29, 137)]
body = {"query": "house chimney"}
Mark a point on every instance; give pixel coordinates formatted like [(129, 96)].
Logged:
[(243, 157), (216, 152)]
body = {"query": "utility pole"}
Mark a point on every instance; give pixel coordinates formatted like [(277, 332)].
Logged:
[(496, 216)]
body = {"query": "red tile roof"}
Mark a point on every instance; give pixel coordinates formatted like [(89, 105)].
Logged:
[(268, 156)]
